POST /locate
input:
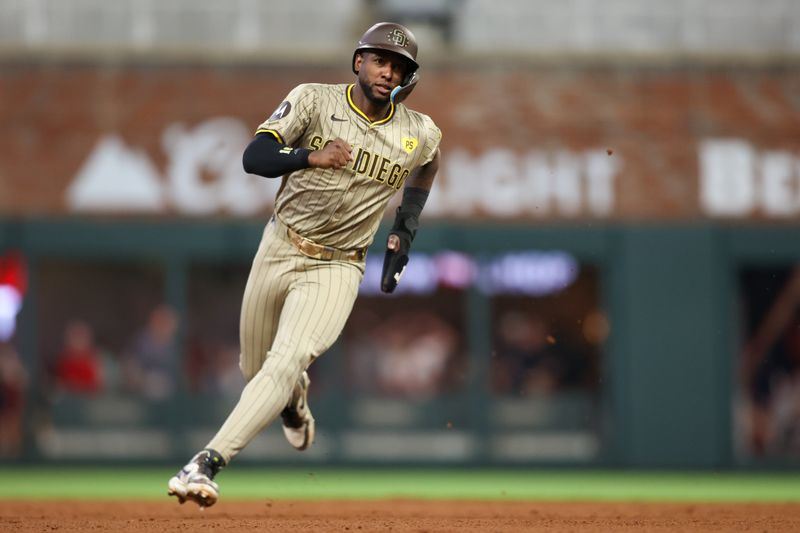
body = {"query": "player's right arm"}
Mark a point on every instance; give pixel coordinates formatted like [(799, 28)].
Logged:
[(267, 157), (275, 152)]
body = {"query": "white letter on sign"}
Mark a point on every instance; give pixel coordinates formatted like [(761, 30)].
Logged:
[(727, 180), (779, 196)]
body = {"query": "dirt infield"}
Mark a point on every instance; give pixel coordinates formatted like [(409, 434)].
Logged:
[(394, 515)]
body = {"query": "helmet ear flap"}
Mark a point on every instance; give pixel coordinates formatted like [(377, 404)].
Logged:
[(402, 91)]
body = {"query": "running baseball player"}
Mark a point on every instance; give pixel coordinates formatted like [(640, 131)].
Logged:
[(343, 151)]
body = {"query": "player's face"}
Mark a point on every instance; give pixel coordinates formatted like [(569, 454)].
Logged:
[(378, 73)]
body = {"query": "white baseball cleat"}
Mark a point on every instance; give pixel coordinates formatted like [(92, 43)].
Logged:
[(195, 480), (298, 423)]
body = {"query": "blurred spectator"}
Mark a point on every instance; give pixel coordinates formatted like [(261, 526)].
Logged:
[(79, 366), (776, 395), (410, 361), (529, 358), (198, 363), (414, 357), (524, 361), (213, 368), (363, 346), (150, 361), (13, 383), (228, 380), (13, 284)]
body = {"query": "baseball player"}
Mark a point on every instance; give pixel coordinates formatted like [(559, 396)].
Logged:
[(343, 151)]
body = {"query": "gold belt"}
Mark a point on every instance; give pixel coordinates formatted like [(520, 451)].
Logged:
[(315, 250)]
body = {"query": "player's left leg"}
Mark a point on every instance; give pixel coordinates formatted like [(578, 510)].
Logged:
[(299, 426)]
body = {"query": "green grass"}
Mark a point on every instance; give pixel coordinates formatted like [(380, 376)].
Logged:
[(260, 483)]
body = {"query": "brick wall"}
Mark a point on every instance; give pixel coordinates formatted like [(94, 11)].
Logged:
[(652, 123)]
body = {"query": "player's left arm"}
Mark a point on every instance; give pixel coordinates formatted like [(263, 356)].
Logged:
[(422, 177), (406, 222)]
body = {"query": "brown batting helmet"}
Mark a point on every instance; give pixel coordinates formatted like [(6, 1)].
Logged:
[(391, 37)]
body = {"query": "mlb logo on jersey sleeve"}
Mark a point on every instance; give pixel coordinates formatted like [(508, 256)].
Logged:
[(282, 111), (409, 144)]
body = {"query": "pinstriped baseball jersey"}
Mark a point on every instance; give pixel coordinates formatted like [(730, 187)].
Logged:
[(343, 207)]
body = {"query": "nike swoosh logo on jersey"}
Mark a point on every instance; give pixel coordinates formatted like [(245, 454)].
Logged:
[(334, 117)]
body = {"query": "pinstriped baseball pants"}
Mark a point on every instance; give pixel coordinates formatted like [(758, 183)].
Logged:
[(294, 307)]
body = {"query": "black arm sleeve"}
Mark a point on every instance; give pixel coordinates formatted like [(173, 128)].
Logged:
[(406, 220), (267, 157)]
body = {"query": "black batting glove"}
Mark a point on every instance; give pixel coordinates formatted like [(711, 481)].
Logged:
[(395, 261)]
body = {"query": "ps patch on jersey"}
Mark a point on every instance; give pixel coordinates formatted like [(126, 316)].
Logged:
[(409, 144), (282, 111)]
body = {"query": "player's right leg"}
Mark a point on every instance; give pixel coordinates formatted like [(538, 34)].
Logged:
[(261, 307), (314, 313), (263, 301), (264, 294), (195, 481)]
